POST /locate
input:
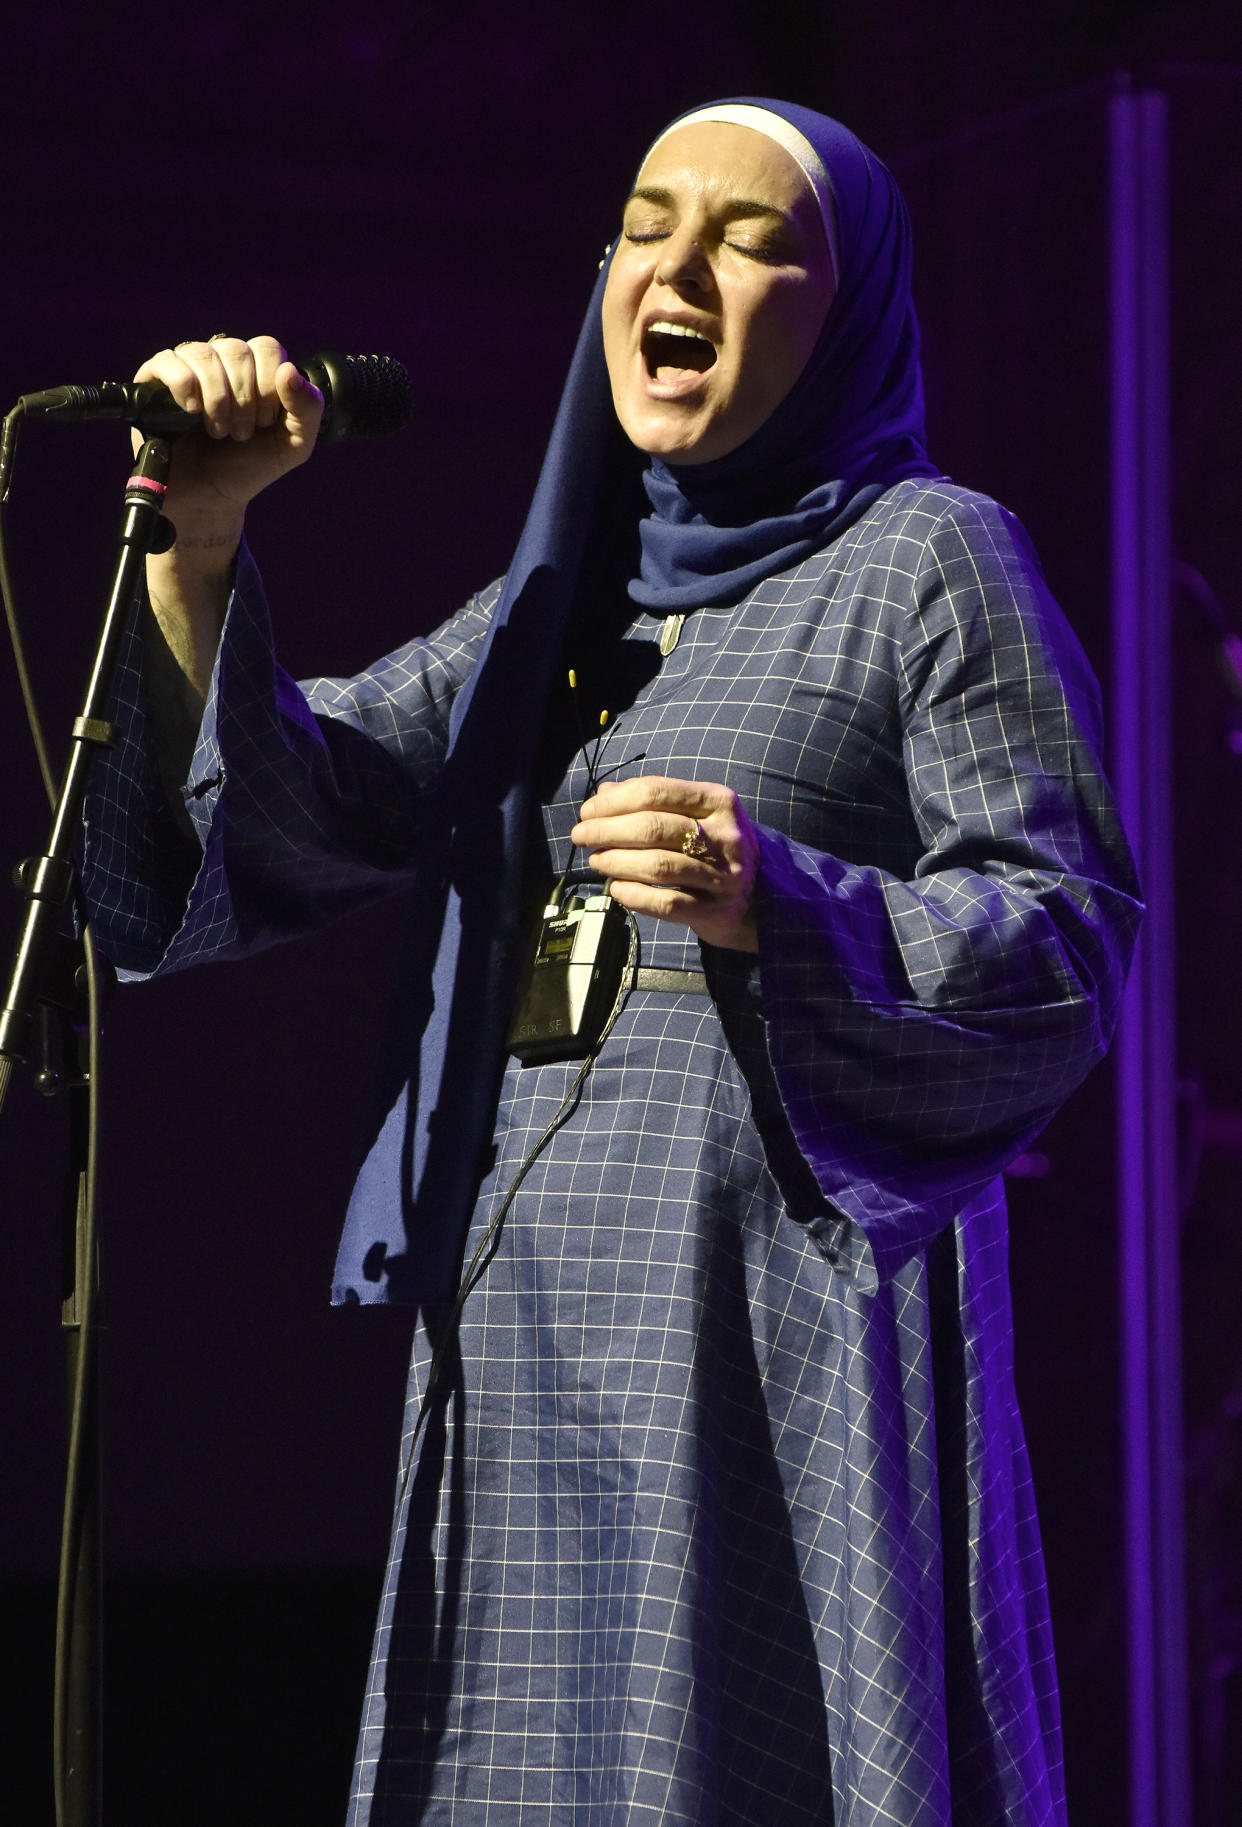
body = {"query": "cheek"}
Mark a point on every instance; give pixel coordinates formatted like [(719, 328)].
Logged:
[(623, 294), (616, 320), (608, 312), (780, 338)]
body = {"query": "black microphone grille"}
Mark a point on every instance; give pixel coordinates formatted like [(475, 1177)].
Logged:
[(365, 396)]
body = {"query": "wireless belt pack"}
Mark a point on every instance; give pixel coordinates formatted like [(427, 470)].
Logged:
[(572, 979)]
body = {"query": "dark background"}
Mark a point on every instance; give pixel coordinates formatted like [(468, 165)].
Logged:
[(440, 182)]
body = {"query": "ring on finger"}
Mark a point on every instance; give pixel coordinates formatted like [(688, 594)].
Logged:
[(698, 845)]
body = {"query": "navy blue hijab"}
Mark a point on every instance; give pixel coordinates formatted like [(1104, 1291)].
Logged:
[(851, 425)]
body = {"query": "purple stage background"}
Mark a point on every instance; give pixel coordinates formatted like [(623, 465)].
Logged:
[(439, 183)]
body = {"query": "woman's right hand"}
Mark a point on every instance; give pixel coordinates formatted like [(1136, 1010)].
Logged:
[(260, 419)]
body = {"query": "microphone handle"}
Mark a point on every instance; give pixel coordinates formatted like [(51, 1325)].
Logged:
[(365, 396), (147, 404)]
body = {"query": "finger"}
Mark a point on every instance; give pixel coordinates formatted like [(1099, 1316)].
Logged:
[(728, 923), (659, 903), (207, 389), (301, 403), (694, 798), (674, 833), (642, 830), (234, 362), (170, 367), (269, 357), (663, 869)]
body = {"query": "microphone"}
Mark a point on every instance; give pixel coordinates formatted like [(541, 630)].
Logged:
[(364, 396)]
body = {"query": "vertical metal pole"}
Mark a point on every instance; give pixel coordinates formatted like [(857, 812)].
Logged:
[(1150, 1278)]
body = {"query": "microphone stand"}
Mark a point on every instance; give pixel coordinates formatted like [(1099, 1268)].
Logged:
[(50, 971)]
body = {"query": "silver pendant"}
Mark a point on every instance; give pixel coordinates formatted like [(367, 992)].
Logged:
[(670, 633)]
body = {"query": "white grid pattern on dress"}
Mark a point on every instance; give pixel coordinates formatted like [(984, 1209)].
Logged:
[(728, 1518)]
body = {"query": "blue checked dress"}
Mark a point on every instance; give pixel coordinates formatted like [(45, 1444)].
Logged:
[(724, 1516)]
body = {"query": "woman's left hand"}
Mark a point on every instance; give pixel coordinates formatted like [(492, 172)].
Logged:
[(636, 832)]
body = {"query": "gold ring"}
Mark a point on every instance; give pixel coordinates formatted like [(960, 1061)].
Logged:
[(698, 845), (219, 336)]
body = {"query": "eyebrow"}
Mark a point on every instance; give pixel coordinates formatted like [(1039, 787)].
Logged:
[(737, 207)]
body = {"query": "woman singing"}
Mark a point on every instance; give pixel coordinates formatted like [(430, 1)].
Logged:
[(713, 1505)]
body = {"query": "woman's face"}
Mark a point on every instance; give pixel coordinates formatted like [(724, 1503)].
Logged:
[(717, 292)]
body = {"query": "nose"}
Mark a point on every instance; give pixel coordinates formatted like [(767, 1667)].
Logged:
[(683, 262)]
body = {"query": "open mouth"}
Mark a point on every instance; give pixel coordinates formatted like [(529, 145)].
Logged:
[(671, 349)]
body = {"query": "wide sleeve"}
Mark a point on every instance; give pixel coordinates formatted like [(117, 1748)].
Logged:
[(921, 1030), (305, 801)]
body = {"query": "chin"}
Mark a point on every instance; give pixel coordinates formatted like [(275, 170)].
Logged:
[(676, 443)]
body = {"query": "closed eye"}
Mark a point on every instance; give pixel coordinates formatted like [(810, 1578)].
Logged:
[(771, 256)]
